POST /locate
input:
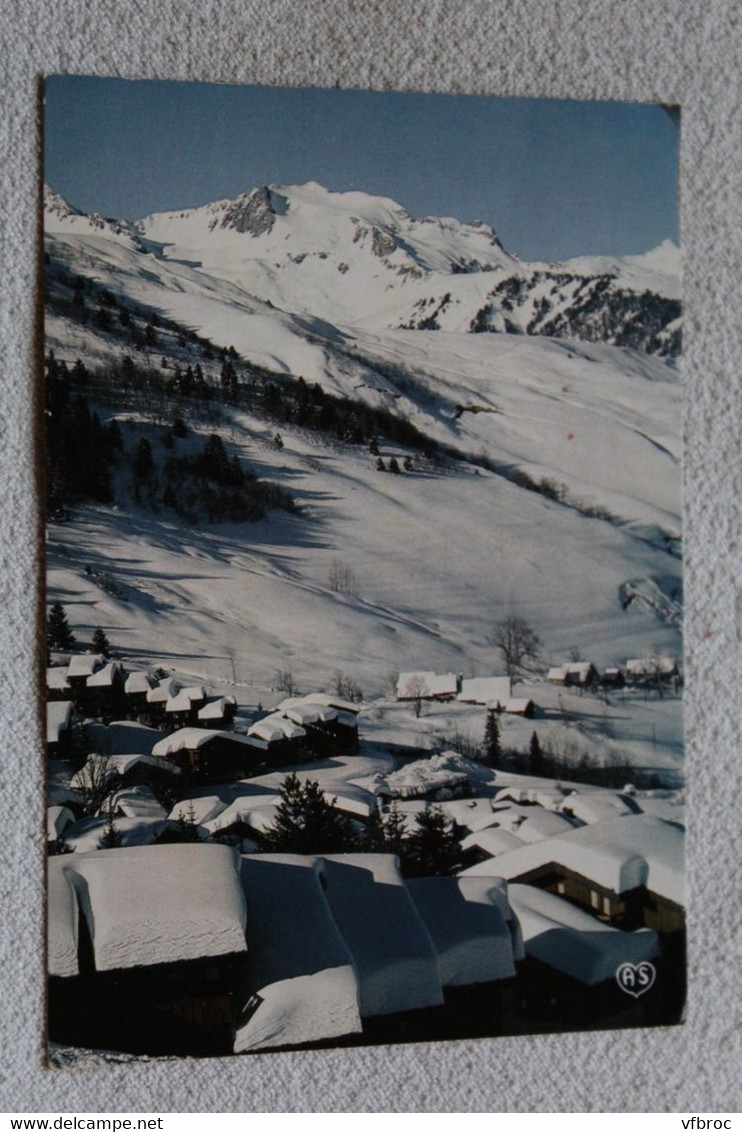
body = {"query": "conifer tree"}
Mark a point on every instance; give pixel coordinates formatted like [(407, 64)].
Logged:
[(101, 643), (374, 840), (431, 849), (395, 831), (535, 756), (492, 748), (143, 463), (110, 838), (306, 822), (58, 633)]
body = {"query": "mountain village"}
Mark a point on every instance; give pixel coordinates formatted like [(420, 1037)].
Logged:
[(364, 666)]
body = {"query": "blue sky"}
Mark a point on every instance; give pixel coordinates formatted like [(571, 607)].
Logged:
[(554, 178)]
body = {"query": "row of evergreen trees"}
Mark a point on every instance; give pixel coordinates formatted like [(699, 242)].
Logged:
[(570, 765), (59, 635), (80, 450), (306, 822)]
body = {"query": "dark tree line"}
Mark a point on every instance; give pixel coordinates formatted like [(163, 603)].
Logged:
[(79, 449)]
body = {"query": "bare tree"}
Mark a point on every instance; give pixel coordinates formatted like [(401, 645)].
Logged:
[(96, 782), (416, 690), (517, 642), (284, 681), (346, 687)]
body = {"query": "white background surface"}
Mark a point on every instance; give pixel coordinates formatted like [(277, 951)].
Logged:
[(686, 52)]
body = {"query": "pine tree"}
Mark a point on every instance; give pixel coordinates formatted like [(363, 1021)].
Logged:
[(143, 463), (306, 822), (492, 748), (374, 840), (394, 466), (431, 849), (100, 643), (395, 832), (58, 633), (535, 756), (187, 828), (110, 838)]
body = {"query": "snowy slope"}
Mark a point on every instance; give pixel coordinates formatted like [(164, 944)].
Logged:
[(439, 554)]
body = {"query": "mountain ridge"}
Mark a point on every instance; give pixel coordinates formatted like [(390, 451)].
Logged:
[(357, 260)]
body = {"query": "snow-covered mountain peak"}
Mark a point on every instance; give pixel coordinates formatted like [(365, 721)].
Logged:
[(56, 205), (62, 218)]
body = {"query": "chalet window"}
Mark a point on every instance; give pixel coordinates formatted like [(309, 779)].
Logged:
[(594, 899), (606, 906), (561, 887)]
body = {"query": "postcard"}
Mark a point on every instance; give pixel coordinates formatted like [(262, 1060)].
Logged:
[(364, 568)]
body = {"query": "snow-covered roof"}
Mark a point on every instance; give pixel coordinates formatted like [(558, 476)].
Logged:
[(572, 941), (469, 931), (216, 709), (651, 665), (395, 961), (468, 812), (137, 802), (193, 738), (257, 814), (138, 683), (57, 820), (203, 808), (106, 676), (299, 964), (304, 714), (181, 702), (58, 715), (61, 920), (122, 737), (97, 766), (85, 664), (84, 836), (485, 690), (549, 798), (596, 805), (56, 679), (668, 805), (618, 854), (537, 824), (517, 706), (275, 728), (122, 764), (559, 673), (321, 699), (580, 669), (160, 904), (59, 795), (349, 803), (166, 689), (529, 823), (492, 841), (410, 685)]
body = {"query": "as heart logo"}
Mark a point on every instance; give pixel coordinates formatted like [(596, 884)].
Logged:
[(636, 979)]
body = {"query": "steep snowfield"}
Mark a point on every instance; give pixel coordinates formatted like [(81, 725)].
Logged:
[(438, 555)]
